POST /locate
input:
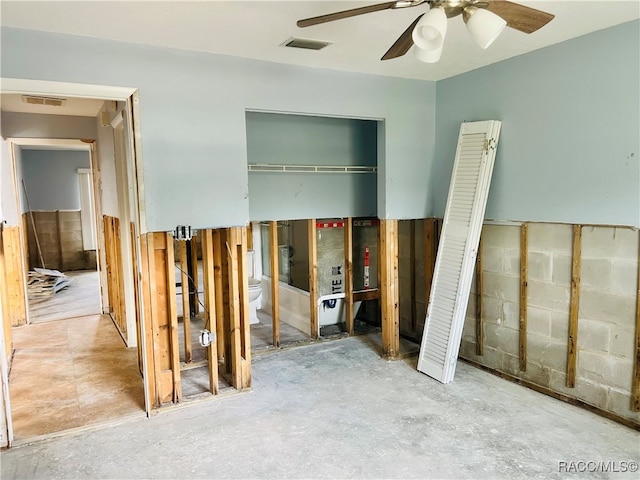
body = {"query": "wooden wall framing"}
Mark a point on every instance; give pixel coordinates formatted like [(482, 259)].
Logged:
[(572, 340), (115, 273), (13, 280), (389, 294), (226, 305)]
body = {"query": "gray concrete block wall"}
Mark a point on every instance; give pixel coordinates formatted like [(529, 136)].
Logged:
[(606, 325), (60, 238)]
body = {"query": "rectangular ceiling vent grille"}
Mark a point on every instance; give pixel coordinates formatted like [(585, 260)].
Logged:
[(51, 102), (305, 43)]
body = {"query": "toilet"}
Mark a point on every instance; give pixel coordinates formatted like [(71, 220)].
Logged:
[(255, 289)]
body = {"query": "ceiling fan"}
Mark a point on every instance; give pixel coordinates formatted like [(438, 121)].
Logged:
[(485, 20)]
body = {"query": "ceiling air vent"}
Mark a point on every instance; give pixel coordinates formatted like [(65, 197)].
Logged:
[(305, 43), (52, 102)]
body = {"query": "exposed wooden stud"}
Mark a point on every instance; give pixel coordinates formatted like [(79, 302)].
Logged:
[(635, 384), (313, 277), (237, 301), (223, 327), (479, 289), (186, 314), (523, 296), (147, 254), (275, 282), (412, 276), (195, 285), (174, 342), (208, 274), (388, 266), (245, 317), (348, 274), (430, 249), (6, 317), (572, 345), (136, 293), (14, 280)]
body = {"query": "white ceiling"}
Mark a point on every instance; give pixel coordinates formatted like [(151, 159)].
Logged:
[(256, 29)]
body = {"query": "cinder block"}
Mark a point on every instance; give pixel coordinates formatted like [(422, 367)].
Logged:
[(560, 326), (587, 391), (624, 277), (492, 258), (471, 306), (540, 266), (607, 307), (504, 236), (469, 327), (491, 310), (548, 237), (561, 269), (537, 373), (620, 403), (511, 315), (547, 352), (605, 369), (501, 286), (596, 273), (511, 364), (594, 335), (539, 321), (549, 295), (69, 215), (622, 342), (501, 338), (490, 357), (511, 262), (610, 242), (70, 236)]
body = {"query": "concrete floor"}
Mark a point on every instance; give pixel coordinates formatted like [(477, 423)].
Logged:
[(337, 410)]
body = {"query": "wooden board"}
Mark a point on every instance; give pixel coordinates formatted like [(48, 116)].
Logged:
[(15, 308), (208, 274), (174, 343), (348, 274), (522, 334), (572, 341), (6, 318), (186, 313), (313, 278), (479, 290), (389, 295), (275, 282), (635, 384)]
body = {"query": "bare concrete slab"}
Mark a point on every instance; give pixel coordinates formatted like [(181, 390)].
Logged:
[(337, 410)]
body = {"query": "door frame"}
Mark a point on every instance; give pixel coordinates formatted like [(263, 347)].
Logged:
[(134, 170)]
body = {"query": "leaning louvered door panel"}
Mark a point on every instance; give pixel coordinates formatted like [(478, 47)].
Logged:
[(458, 248)]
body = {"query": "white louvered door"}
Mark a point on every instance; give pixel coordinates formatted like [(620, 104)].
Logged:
[(458, 248)]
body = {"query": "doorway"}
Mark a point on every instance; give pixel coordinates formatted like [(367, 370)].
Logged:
[(76, 364)]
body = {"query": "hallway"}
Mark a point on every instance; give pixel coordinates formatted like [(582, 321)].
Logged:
[(72, 373)]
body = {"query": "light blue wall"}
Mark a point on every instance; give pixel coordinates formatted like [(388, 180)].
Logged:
[(307, 140), (193, 119), (570, 143), (51, 178)]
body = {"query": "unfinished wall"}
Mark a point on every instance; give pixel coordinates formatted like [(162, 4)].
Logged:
[(606, 311), (59, 234)]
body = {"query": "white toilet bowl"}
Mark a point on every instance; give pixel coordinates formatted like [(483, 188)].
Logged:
[(255, 291)]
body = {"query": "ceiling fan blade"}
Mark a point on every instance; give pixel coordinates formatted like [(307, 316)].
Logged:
[(403, 43), (520, 17), (330, 17)]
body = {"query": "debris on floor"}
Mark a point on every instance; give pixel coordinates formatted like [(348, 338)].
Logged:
[(43, 283)]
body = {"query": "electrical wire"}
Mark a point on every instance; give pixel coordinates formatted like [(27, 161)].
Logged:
[(195, 287)]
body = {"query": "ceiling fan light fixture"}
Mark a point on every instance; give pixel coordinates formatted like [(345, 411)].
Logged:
[(483, 25), (430, 31), (427, 56)]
